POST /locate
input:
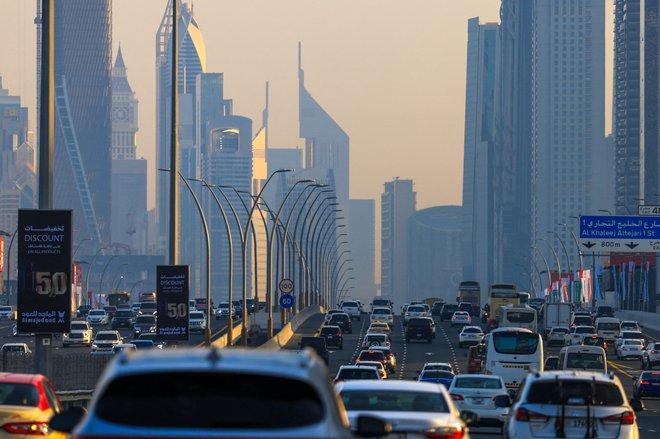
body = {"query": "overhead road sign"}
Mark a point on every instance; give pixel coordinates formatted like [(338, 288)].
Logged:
[(646, 210), (620, 234)]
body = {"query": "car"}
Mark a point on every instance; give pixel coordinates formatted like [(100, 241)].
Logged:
[(291, 397), (123, 319), (153, 337), (630, 325), (467, 307), (629, 348), (569, 404), (371, 355), (144, 324), (414, 408), (389, 356), (121, 347), (6, 313), (477, 393), (110, 310), (27, 403), (197, 322), (461, 318), (148, 308), (438, 366), (379, 302), (135, 307), (551, 363), (594, 340), (604, 311), (414, 311), (651, 355), (557, 335), (419, 329), (342, 320), (251, 308), (628, 335), (382, 314), (21, 348), (97, 317), (106, 340), (443, 377), (647, 384), (357, 372), (83, 310), (376, 327), (375, 340), (580, 357), (436, 309), (318, 345), (352, 308), (577, 333), (382, 368), (144, 344), (404, 308), (333, 336), (81, 333), (448, 310), (470, 335), (329, 314), (238, 307), (223, 311), (475, 358)]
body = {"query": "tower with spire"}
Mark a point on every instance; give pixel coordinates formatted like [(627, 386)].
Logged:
[(124, 113)]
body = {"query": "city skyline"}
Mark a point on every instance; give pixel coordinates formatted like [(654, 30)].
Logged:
[(350, 90)]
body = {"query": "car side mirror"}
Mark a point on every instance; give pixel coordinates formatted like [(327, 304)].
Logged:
[(372, 426), (502, 401), (636, 404), (469, 417), (67, 420)]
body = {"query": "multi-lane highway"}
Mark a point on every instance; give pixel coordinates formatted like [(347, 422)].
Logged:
[(411, 357)]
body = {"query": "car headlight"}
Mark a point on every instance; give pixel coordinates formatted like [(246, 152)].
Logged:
[(94, 346), (152, 329)]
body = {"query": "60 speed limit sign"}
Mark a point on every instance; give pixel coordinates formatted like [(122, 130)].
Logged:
[(286, 286)]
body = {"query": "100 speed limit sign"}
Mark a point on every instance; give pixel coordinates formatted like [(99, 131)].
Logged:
[(286, 286)]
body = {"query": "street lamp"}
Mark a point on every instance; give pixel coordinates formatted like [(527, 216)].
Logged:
[(577, 245), (568, 260), (102, 276), (114, 280), (89, 271), (308, 246), (547, 268)]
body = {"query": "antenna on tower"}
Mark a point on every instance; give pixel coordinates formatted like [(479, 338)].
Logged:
[(264, 115)]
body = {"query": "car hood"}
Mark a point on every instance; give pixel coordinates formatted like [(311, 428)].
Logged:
[(405, 421)]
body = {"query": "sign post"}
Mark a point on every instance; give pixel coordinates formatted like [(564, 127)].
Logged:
[(172, 289)]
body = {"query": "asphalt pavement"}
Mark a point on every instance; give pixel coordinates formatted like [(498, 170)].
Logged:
[(411, 357)]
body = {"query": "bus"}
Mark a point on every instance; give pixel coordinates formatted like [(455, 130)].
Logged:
[(525, 297), (469, 291), (511, 353), (500, 295), (119, 298), (518, 316)]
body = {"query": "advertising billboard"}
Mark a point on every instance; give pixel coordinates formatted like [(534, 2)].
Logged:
[(172, 289)]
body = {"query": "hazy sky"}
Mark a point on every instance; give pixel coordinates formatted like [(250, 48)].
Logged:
[(390, 72)]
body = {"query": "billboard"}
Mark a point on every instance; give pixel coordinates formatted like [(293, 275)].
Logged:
[(44, 270), (172, 289)]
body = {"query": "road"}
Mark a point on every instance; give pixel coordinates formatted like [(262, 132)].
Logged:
[(444, 348)]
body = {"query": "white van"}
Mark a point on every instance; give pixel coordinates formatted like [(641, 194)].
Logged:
[(591, 358), (608, 328)]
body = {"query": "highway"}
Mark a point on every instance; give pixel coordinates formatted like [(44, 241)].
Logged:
[(444, 348)]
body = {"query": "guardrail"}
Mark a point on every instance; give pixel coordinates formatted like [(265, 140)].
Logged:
[(221, 341), (286, 333)]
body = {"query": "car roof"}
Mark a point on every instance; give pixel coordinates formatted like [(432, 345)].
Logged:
[(107, 332), (472, 327), (20, 378), (478, 375), (392, 385), (573, 375), (356, 367), (581, 348), (438, 364), (510, 329), (14, 344), (330, 327), (381, 307)]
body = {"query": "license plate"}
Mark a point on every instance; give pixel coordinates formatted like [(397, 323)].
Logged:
[(477, 401), (579, 423)]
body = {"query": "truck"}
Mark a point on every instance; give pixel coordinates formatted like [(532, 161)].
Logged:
[(555, 314), (470, 292)]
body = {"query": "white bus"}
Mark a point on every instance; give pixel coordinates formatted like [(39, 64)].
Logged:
[(518, 316), (582, 358), (511, 353)]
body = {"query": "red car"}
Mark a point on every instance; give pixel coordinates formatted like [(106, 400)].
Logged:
[(27, 402)]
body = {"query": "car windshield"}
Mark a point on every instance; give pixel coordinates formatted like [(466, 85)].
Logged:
[(575, 392), (450, 308), (581, 320), (223, 306), (585, 330), (123, 314), (632, 342), (629, 325), (19, 394), (357, 374), (608, 326), (585, 360), (196, 315), (416, 309), (78, 327), (329, 331), (515, 343), (372, 356), (594, 341), (437, 367), (472, 331), (477, 383), (143, 344), (394, 401), (350, 304), (13, 348), (560, 330), (381, 303), (145, 320), (632, 335), (437, 374), (339, 318), (148, 305), (96, 313), (193, 398), (382, 311), (106, 336), (520, 316)]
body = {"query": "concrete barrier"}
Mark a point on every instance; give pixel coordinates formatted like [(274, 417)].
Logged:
[(648, 320), (286, 333), (221, 341)]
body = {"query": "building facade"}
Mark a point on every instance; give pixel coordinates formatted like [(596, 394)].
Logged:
[(362, 236), (477, 234), (397, 202)]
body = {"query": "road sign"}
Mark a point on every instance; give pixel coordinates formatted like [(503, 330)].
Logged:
[(620, 234), (172, 290), (286, 286), (648, 210), (286, 300)]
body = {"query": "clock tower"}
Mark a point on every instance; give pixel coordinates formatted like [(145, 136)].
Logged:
[(124, 113)]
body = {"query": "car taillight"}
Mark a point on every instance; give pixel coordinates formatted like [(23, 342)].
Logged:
[(524, 415), (453, 317), (456, 397), (387, 344), (625, 418), (644, 382), (383, 361), (27, 428), (654, 351), (445, 433)]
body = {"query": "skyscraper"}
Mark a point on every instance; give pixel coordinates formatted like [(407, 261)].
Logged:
[(192, 62), (129, 174), (568, 115), (398, 202), (362, 236), (83, 64), (477, 214)]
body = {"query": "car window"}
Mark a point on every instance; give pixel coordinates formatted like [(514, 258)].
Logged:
[(632, 342), (329, 331), (213, 401), (394, 401), (146, 320), (575, 392), (585, 360), (416, 309), (123, 314), (419, 322), (438, 367), (560, 330), (19, 394), (196, 315), (515, 343), (357, 374), (585, 330), (472, 330), (53, 402), (78, 326), (477, 383), (372, 356), (108, 336), (437, 374)]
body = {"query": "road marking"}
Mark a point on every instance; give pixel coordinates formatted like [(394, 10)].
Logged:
[(616, 366), (405, 350), (451, 348)]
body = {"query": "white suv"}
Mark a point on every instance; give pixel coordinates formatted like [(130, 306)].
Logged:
[(651, 356), (577, 333), (569, 404), (382, 315), (352, 308), (6, 312), (81, 334), (414, 311), (557, 335)]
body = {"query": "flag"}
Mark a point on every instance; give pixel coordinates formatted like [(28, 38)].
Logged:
[(597, 283)]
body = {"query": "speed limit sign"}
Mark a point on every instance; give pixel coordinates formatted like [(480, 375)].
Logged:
[(286, 286)]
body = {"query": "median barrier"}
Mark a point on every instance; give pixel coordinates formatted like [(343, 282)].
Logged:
[(221, 341), (280, 339)]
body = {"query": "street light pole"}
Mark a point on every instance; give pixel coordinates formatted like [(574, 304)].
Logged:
[(547, 268), (577, 245), (114, 280), (89, 271), (102, 276), (308, 245)]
